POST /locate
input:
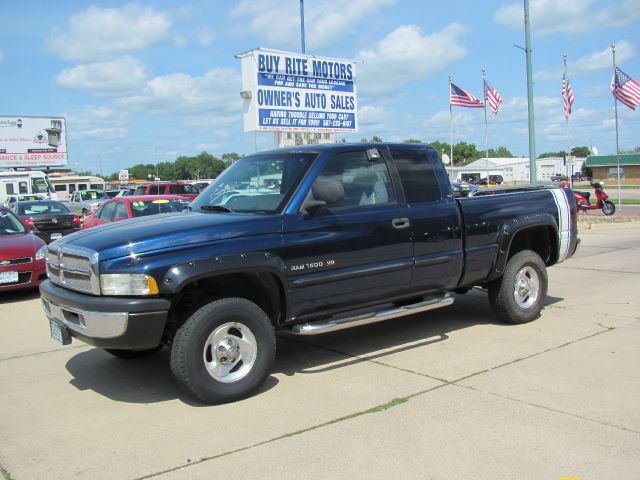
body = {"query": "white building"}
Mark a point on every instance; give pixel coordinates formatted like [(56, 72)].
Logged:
[(516, 169)]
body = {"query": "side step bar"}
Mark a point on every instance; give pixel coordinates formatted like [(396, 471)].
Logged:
[(331, 325)]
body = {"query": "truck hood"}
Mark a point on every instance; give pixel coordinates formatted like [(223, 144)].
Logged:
[(166, 231)]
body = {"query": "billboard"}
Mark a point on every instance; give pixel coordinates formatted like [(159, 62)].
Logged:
[(294, 92), (32, 141)]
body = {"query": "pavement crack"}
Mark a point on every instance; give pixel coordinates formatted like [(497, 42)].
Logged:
[(36, 354), (550, 409), (378, 408)]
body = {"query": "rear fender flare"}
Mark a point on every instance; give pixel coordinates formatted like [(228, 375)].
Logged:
[(509, 231)]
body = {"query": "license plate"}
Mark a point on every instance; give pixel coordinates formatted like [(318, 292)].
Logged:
[(55, 236), (8, 277), (59, 333)]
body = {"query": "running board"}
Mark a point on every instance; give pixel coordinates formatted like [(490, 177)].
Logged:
[(331, 325)]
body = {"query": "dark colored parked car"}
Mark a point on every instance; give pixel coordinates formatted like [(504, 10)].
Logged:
[(169, 188), (48, 219), (123, 208), (22, 254)]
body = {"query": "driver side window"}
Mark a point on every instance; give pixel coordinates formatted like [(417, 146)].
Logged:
[(365, 181)]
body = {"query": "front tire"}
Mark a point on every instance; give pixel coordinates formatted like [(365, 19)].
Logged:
[(518, 296), (224, 351), (608, 208)]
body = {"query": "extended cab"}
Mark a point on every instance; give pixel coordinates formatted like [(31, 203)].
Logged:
[(313, 239)]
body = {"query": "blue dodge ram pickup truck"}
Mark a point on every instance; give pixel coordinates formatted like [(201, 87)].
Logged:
[(304, 240)]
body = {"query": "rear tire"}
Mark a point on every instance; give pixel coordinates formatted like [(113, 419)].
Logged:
[(608, 207), (224, 351), (517, 297)]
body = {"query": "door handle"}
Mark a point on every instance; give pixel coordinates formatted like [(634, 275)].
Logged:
[(400, 223)]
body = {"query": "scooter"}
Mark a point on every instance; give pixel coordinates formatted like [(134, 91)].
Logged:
[(602, 202)]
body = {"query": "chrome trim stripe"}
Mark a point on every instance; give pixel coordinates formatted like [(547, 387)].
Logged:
[(425, 262), (332, 276)]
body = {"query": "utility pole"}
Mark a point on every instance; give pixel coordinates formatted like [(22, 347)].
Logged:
[(302, 25), (533, 173)]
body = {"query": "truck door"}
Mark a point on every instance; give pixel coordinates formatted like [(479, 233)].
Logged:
[(355, 251), (435, 220)]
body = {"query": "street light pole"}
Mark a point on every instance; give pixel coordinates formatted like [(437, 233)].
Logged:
[(533, 173), (302, 25)]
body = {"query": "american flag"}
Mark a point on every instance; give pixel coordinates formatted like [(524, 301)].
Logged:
[(493, 97), (460, 98), (625, 89), (567, 96)]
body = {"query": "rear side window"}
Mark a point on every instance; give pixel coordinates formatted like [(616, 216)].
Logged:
[(417, 175), (156, 190), (140, 191)]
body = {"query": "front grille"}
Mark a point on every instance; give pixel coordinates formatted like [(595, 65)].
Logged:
[(15, 261), (73, 270)]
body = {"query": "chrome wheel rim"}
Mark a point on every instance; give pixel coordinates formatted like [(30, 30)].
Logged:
[(230, 352), (527, 287)]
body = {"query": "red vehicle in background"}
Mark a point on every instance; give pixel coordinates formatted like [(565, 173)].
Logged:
[(134, 206), (22, 254), (603, 203), (168, 188)]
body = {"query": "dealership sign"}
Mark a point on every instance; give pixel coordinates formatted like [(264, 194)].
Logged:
[(33, 141), (293, 92)]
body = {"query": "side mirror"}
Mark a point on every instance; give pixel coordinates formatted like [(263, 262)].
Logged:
[(325, 191)]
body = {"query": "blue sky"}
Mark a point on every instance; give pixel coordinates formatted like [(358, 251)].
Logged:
[(147, 81)]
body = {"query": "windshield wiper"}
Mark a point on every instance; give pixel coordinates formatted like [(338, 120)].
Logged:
[(215, 208)]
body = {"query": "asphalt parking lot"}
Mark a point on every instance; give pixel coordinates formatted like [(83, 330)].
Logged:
[(448, 394)]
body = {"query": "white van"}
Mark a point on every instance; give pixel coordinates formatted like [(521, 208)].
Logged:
[(65, 185), (25, 183)]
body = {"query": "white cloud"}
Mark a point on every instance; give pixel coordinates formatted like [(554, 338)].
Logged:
[(325, 22), (205, 36), (568, 16), (90, 117), (98, 32), (406, 55), (115, 77), (107, 133), (591, 62), (181, 94)]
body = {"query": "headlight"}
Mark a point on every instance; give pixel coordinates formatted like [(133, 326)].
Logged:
[(41, 253), (128, 284)]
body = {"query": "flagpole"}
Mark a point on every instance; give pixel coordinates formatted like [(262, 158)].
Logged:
[(615, 103), (484, 91), (564, 81), (451, 130)]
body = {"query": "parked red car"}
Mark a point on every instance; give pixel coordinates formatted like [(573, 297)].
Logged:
[(22, 254), (122, 208), (168, 188)]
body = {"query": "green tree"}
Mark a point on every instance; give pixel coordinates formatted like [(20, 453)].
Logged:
[(413, 140), (500, 152), (230, 157), (376, 139), (465, 152), (561, 153), (580, 151)]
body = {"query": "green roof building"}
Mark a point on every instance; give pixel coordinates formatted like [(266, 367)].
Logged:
[(605, 168)]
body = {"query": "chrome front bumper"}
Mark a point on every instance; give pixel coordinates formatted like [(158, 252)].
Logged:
[(88, 323)]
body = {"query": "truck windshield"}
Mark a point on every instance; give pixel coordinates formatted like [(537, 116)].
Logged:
[(258, 183)]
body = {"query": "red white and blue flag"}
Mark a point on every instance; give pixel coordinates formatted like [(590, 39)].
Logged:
[(625, 89), (492, 96), (461, 98), (567, 97)]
